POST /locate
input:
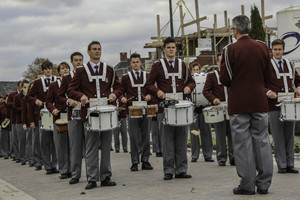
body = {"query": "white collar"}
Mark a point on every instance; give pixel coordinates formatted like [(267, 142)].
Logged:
[(277, 61), (93, 64)]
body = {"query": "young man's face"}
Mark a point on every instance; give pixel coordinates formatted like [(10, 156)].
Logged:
[(64, 70), (135, 63), (277, 51), (196, 69), (95, 52), (25, 88), (170, 50), (77, 61), (48, 72)]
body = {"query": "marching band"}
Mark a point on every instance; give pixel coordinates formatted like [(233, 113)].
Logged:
[(55, 122)]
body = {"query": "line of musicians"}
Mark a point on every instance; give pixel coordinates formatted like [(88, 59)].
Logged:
[(77, 94)]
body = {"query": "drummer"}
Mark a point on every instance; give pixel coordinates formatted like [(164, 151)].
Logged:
[(205, 129), (133, 88), (57, 109), (37, 95), (88, 82), (174, 137), (282, 131), (214, 91)]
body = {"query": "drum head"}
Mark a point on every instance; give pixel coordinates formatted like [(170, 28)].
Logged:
[(61, 121)]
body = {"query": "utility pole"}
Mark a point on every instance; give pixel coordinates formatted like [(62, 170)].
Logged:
[(171, 19)]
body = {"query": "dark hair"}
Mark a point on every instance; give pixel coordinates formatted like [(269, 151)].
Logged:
[(24, 81), (194, 64), (169, 40), (59, 66), (278, 42), (76, 53), (135, 55), (19, 82), (92, 43), (47, 65), (241, 23)]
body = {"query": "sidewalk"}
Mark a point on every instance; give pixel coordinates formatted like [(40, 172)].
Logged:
[(209, 182)]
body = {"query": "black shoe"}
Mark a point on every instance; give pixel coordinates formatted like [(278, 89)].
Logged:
[(134, 168), (31, 165), (147, 166), (64, 176), (209, 160), (55, 171), (6, 157), (74, 181), (117, 151), (23, 163), (159, 154), (261, 191), (91, 185), (69, 174), (14, 159), (282, 170), (49, 171), (194, 160), (239, 190), (183, 175), (18, 161), (37, 168), (291, 170), (125, 151), (222, 163), (108, 182), (111, 149), (232, 163), (168, 177)]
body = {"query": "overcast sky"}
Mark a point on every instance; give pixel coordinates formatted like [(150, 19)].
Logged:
[(55, 28)]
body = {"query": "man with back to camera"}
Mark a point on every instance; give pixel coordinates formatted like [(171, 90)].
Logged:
[(282, 131), (244, 71)]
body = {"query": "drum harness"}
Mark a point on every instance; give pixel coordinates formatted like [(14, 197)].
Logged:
[(219, 83), (138, 86)]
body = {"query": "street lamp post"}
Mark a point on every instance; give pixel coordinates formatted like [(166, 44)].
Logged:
[(171, 19)]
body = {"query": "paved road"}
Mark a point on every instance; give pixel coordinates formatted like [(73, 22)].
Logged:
[(209, 182)]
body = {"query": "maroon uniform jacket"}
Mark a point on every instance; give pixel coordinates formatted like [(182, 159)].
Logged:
[(157, 75), (80, 85), (18, 107), (244, 71), (37, 92), (276, 85), (62, 91), (132, 92), (51, 100), (25, 112), (212, 89), (10, 107)]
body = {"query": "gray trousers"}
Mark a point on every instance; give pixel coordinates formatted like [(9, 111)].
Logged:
[(283, 133), (29, 155), (48, 149), (222, 130), (4, 142), (206, 138), (21, 133), (61, 141), (156, 136), (252, 150), (139, 129), (36, 147), (92, 139), (174, 149), (123, 130), (14, 142), (77, 146)]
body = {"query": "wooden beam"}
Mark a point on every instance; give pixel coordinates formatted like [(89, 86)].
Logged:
[(197, 17), (195, 21), (268, 17)]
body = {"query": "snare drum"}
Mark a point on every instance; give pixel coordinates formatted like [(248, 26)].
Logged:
[(76, 112), (290, 110), (102, 118), (197, 95), (150, 110), (62, 125), (135, 111), (180, 114), (46, 120), (213, 114)]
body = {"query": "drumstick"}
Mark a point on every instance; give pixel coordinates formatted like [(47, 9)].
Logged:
[(131, 98)]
